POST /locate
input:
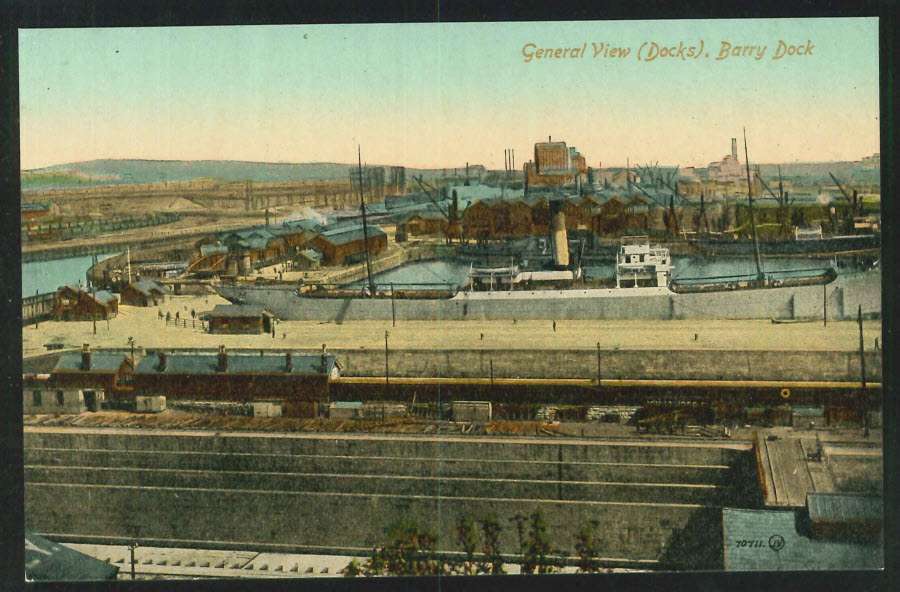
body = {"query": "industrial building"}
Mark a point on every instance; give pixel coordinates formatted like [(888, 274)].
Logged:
[(144, 293), (297, 380), (347, 244), (108, 371), (77, 304), (243, 319)]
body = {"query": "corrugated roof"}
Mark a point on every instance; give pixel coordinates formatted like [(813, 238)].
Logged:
[(312, 254), (239, 310), (844, 507), (344, 236), (100, 362), (146, 286), (237, 363), (763, 540), (103, 295)]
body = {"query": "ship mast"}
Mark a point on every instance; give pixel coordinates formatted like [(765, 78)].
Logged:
[(362, 203), (756, 257)]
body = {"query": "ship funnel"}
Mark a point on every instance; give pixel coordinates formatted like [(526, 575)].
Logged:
[(558, 236)]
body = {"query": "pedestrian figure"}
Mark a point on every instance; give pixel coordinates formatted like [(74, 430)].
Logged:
[(159, 314), (695, 337), (284, 335), (482, 336), (177, 315), (168, 316), (876, 344), (193, 314), (554, 326), (514, 321)]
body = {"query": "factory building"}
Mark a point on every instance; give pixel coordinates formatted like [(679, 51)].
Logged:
[(107, 371), (144, 293), (76, 304), (347, 244), (240, 319), (297, 380), (555, 164)]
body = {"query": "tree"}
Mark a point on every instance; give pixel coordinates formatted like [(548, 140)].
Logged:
[(537, 547), (353, 569), (410, 553), (493, 562), (468, 540), (588, 547)]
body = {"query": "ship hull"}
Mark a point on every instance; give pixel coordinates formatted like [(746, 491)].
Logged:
[(843, 295), (824, 246)]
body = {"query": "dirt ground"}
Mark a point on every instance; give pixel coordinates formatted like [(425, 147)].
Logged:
[(148, 331)]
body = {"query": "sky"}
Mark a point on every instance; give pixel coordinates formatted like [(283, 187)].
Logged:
[(442, 94)]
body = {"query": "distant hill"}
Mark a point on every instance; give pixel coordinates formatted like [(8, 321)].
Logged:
[(114, 171), (124, 172)]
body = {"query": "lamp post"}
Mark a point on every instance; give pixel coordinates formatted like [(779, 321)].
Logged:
[(131, 343)]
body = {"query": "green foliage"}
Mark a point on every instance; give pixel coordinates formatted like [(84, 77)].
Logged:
[(537, 547), (588, 547), (409, 553), (468, 540), (353, 569), (493, 562)]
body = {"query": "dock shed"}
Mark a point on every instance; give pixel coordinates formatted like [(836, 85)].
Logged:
[(241, 319), (347, 244), (76, 304), (86, 369), (292, 378), (60, 401), (144, 293)]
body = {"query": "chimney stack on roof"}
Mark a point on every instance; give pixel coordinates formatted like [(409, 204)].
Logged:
[(734, 148), (87, 357), (288, 362), (223, 359), (163, 362)]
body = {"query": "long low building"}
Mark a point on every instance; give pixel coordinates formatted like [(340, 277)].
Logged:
[(299, 381)]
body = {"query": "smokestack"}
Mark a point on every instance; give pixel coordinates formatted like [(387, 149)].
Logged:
[(288, 362), (223, 360), (549, 138), (324, 359), (87, 357), (163, 361), (558, 236), (734, 148)]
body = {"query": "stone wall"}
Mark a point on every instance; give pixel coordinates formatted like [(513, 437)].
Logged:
[(655, 502)]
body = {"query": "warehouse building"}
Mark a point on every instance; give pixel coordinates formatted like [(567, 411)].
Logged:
[(347, 244), (76, 304), (240, 319), (144, 293), (108, 371), (300, 381)]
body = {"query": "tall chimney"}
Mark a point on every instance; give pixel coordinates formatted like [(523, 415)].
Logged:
[(734, 148), (163, 361), (223, 359), (87, 357), (558, 235), (288, 362), (549, 138)]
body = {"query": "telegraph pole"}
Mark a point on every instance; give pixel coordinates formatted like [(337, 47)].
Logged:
[(825, 305), (862, 367), (598, 364), (387, 379), (393, 310)]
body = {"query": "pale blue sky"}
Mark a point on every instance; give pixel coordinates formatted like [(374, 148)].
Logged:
[(438, 95)]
